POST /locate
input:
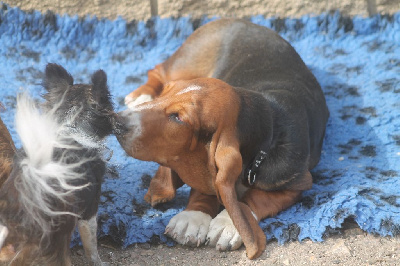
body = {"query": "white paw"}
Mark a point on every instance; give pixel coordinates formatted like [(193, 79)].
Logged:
[(223, 234), (133, 102), (189, 227)]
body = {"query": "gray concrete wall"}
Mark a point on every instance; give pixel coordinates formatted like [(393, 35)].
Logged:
[(144, 9)]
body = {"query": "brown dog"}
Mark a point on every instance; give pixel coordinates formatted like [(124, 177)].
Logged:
[(239, 118)]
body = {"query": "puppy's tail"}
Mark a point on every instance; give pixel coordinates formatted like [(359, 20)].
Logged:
[(45, 182)]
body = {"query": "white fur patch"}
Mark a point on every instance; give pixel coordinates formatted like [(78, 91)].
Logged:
[(42, 179), (132, 103), (223, 233), (190, 88), (3, 235), (189, 227), (86, 140)]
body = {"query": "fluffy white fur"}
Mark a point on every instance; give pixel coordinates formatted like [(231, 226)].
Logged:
[(3, 234), (42, 179)]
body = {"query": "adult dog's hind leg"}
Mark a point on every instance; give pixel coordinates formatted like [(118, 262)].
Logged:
[(88, 231), (268, 203)]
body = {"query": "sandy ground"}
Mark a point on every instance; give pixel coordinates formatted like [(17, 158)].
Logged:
[(350, 246), (143, 9)]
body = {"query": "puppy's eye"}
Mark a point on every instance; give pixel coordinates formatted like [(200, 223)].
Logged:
[(175, 117)]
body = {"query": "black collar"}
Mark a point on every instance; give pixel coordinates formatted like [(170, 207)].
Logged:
[(252, 170)]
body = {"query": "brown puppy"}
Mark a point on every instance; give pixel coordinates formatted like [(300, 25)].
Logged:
[(238, 117)]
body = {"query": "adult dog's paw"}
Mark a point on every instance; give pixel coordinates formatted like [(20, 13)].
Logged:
[(223, 234), (189, 227)]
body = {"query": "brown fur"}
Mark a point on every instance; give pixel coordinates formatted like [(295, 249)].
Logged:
[(7, 152), (163, 186)]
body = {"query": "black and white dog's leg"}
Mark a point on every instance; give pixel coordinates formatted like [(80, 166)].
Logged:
[(88, 232)]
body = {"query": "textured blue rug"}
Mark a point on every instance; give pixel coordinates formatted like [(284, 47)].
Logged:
[(356, 60)]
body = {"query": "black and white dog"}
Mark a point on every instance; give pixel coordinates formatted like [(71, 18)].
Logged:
[(55, 183)]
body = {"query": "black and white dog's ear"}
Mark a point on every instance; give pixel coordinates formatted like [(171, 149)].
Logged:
[(99, 81), (57, 78), (100, 91)]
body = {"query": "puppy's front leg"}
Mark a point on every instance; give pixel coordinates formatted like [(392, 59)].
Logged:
[(190, 227), (88, 232)]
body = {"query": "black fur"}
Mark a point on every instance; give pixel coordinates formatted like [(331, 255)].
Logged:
[(282, 104), (93, 100)]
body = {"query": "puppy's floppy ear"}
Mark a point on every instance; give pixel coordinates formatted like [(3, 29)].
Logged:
[(57, 78), (224, 152), (228, 162)]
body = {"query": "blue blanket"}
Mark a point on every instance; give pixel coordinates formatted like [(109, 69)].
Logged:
[(356, 60)]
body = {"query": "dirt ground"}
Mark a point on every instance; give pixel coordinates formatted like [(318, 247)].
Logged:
[(144, 9), (350, 246)]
